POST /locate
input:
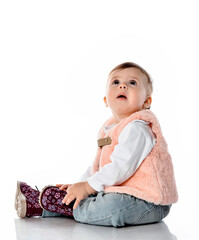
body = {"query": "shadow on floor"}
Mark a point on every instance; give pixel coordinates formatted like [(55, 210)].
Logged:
[(63, 229)]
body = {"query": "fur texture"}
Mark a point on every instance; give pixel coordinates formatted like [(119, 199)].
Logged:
[(154, 180)]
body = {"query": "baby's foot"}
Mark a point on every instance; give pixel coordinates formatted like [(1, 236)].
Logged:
[(51, 200), (27, 201)]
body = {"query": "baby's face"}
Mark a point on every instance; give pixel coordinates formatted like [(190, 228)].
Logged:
[(126, 92)]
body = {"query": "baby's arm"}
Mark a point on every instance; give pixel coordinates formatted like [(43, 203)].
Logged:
[(83, 178), (134, 144), (125, 160), (81, 189), (77, 191)]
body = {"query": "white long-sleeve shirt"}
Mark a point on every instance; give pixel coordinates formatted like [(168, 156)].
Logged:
[(134, 144)]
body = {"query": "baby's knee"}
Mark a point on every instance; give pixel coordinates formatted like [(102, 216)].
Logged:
[(104, 209)]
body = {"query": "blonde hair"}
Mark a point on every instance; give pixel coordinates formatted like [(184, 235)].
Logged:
[(131, 64)]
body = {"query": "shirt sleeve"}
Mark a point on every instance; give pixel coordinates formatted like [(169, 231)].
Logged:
[(134, 144)]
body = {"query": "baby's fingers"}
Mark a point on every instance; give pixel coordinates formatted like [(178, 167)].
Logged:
[(76, 203), (64, 186), (68, 199)]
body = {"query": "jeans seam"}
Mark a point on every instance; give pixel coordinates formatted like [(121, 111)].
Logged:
[(108, 216), (144, 213)]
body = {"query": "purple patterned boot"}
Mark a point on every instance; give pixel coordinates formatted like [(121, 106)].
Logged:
[(27, 201), (51, 200)]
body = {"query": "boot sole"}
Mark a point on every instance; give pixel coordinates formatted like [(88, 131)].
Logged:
[(20, 202)]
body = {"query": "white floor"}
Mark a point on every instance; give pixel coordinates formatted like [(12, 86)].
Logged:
[(182, 223), (62, 228)]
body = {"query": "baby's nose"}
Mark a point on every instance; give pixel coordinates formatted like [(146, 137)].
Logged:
[(123, 85)]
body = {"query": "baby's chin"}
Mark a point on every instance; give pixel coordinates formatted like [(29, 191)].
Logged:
[(126, 110), (123, 113)]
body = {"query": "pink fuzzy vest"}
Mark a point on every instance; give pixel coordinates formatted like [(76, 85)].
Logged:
[(154, 180)]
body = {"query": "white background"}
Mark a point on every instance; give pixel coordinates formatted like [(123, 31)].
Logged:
[(55, 57)]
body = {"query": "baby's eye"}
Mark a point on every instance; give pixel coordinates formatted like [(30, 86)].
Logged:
[(133, 82), (116, 82)]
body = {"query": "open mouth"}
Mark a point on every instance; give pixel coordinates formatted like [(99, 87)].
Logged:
[(122, 97)]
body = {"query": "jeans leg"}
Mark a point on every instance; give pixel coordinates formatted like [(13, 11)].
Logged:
[(116, 209), (46, 214)]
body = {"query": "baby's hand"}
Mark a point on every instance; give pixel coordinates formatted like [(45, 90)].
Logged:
[(77, 191), (63, 186)]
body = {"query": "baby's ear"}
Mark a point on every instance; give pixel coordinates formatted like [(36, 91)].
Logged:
[(148, 102), (105, 101)]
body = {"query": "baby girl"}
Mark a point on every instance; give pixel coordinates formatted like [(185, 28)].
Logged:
[(131, 180)]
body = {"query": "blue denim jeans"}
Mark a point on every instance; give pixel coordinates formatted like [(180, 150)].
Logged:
[(116, 209)]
